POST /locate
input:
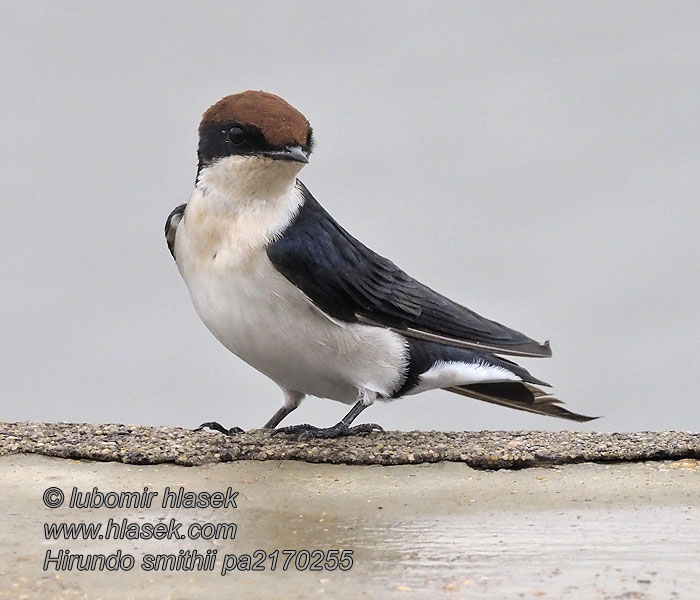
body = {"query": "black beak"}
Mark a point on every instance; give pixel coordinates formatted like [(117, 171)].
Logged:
[(288, 153)]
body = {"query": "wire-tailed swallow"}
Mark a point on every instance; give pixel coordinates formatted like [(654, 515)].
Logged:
[(285, 288)]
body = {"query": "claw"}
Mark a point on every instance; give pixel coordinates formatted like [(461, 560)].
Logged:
[(216, 426)]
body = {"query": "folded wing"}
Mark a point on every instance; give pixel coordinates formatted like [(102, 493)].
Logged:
[(171, 224), (350, 282)]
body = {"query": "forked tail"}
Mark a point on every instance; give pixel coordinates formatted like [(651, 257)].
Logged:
[(521, 396)]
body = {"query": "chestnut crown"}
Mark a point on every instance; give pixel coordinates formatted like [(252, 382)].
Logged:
[(254, 123)]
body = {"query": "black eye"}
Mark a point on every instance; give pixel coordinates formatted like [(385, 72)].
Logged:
[(237, 135)]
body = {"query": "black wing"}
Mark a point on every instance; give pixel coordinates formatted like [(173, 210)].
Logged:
[(352, 283), (171, 224)]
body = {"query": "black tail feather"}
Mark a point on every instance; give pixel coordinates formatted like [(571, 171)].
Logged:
[(521, 396)]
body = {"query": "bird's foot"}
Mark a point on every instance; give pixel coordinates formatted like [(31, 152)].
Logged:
[(215, 426), (306, 431)]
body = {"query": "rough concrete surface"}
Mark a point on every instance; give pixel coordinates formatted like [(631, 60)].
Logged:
[(138, 444)]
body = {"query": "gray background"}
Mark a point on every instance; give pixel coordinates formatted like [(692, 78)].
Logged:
[(535, 161)]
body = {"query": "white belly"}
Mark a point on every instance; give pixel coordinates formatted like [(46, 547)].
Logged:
[(266, 321)]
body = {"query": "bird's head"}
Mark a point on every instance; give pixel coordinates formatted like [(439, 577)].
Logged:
[(253, 135)]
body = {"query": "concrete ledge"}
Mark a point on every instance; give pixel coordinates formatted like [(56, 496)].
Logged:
[(136, 444)]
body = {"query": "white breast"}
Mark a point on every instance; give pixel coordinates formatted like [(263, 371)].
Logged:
[(265, 320)]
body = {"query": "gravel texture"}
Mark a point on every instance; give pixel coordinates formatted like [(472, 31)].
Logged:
[(137, 444)]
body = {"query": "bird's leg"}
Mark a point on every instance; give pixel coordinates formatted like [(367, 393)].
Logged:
[(291, 401), (216, 426), (276, 419), (306, 431)]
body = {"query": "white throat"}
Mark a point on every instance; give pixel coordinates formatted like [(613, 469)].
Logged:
[(241, 181), (239, 205)]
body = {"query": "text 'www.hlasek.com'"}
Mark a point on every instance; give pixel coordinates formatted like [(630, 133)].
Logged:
[(167, 529)]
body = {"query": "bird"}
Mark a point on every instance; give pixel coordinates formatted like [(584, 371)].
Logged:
[(283, 286)]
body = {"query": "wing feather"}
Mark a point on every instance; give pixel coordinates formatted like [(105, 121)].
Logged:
[(352, 283), (171, 224)]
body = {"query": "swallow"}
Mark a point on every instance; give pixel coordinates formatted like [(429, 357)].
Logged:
[(283, 286)]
